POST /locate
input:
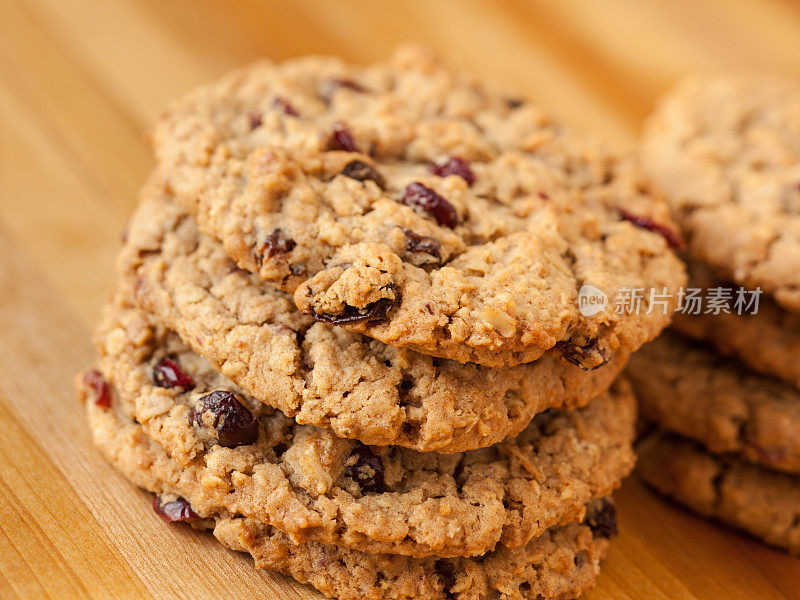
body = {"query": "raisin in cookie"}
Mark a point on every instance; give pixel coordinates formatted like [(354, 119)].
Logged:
[(562, 562), (763, 502), (409, 202), (240, 455), (689, 390), (726, 151), (326, 376), (767, 341)]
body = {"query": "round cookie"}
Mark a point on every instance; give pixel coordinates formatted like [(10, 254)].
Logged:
[(563, 562), (763, 502), (689, 390), (768, 341), (726, 151), (326, 376), (242, 456), (409, 202)]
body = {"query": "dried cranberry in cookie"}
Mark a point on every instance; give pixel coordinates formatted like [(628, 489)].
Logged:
[(601, 517), (361, 171), (340, 138), (173, 510), (427, 200), (225, 413), (674, 238), (94, 380), (167, 374), (587, 356), (276, 243), (455, 165), (285, 106), (366, 469), (422, 245)]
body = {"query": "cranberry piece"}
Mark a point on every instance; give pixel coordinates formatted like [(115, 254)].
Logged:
[(344, 82), (234, 268), (772, 456), (285, 106), (377, 311), (297, 269), (543, 195), (341, 139), (366, 470), (588, 357), (330, 87), (224, 411), (168, 374), (581, 558), (175, 510), (601, 517), (277, 243), (361, 171), (423, 244), (420, 196), (674, 239), (93, 379), (454, 166), (255, 120)]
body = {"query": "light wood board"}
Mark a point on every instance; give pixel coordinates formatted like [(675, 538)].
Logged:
[(80, 83)]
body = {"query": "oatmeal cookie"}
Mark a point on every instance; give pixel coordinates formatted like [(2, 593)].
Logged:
[(687, 389), (767, 341), (726, 151), (409, 202), (763, 502)]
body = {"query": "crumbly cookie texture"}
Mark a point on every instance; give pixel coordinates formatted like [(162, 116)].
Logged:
[(726, 151), (561, 563), (768, 341), (241, 456), (763, 502), (326, 376), (409, 202), (689, 390)]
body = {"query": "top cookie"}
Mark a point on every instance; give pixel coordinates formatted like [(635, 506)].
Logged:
[(727, 153), (408, 202)]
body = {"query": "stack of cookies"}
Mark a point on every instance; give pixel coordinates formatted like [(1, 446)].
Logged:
[(347, 334), (725, 396)]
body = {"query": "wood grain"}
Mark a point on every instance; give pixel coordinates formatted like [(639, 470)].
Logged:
[(80, 83)]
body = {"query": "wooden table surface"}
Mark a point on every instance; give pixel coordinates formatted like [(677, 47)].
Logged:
[(80, 83)]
